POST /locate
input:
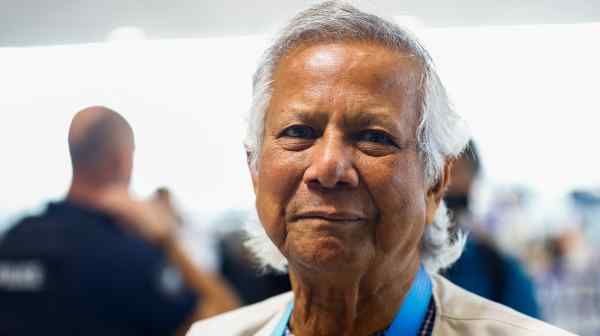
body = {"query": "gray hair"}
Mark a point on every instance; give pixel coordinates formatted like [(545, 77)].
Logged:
[(441, 133)]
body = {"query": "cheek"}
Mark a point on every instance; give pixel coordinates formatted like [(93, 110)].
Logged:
[(278, 177), (399, 195)]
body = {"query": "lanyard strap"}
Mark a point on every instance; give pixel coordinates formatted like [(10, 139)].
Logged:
[(413, 311), (283, 323), (409, 318)]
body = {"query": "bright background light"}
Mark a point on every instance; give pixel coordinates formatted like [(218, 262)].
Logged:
[(126, 33), (528, 92)]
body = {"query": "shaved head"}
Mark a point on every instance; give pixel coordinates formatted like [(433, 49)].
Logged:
[(101, 146)]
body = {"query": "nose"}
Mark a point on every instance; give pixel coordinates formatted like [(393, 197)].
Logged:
[(331, 164)]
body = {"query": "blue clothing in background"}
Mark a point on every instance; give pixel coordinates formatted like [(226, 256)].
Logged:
[(483, 270), (74, 271)]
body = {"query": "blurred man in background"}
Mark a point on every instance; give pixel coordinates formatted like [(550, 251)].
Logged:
[(241, 268), (482, 268), (100, 262), (569, 285)]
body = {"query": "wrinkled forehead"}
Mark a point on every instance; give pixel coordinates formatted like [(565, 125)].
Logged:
[(363, 63)]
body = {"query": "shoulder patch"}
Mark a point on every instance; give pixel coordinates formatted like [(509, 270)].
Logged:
[(22, 276)]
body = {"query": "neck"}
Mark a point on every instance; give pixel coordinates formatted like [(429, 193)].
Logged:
[(85, 193), (348, 304)]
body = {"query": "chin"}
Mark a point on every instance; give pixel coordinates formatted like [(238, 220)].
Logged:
[(325, 254)]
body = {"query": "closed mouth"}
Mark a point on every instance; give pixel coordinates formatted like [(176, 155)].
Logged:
[(332, 216)]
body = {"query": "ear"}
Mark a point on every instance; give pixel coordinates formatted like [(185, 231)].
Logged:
[(252, 169), (436, 192), (122, 162)]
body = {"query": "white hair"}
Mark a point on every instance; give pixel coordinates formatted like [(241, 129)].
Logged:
[(441, 133)]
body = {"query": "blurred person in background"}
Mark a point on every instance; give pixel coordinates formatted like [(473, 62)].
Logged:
[(482, 268), (569, 288), (350, 140), (100, 262), (241, 268)]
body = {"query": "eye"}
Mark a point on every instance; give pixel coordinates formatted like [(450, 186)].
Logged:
[(377, 137), (300, 132)]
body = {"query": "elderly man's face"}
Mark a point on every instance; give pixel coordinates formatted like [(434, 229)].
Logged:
[(339, 184)]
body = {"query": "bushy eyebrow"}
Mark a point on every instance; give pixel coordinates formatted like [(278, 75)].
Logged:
[(369, 118), (305, 115)]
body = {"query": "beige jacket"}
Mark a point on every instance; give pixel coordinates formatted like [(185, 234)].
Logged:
[(458, 313)]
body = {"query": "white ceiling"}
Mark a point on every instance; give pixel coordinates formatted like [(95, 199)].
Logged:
[(45, 22)]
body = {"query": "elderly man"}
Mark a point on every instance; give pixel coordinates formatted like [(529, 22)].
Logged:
[(350, 143)]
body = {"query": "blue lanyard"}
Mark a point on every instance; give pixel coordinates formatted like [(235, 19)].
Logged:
[(409, 318), (413, 311), (283, 323)]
